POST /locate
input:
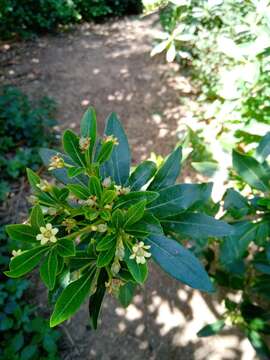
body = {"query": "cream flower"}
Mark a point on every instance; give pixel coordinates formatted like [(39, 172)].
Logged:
[(111, 138), (16, 253), (122, 190), (139, 252), (44, 185), (107, 182), (56, 162), (102, 228), (47, 234), (84, 143)]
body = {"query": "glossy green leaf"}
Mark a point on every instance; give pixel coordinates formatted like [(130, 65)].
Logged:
[(65, 247), (95, 186), (118, 218), (108, 196), (258, 344), (179, 262), (96, 299), (178, 198), (75, 171), (138, 271), (147, 225), (72, 298), (21, 232), (33, 179), (118, 166), (168, 172), (48, 269), (197, 225), (233, 247), (105, 152), (27, 261), (126, 294), (107, 242), (134, 213), (133, 197), (141, 175), (37, 218), (72, 148), (211, 329), (235, 203), (105, 257), (89, 128), (81, 192), (251, 171), (263, 149)]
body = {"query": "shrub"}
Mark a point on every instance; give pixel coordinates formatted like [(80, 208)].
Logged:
[(24, 127), (100, 227), (26, 17), (227, 45), (97, 231)]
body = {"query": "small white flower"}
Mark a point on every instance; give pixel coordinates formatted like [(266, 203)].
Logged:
[(16, 253), (115, 268), (84, 143), (122, 190), (47, 234), (44, 185), (102, 228), (120, 250), (107, 182), (139, 252), (56, 162)]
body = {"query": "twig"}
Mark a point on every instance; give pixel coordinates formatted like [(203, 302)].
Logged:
[(70, 338)]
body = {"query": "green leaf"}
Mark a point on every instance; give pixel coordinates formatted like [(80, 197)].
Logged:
[(263, 149), (251, 171), (135, 196), (105, 152), (29, 352), (75, 171), (141, 175), (89, 128), (118, 218), (48, 269), (258, 344), (126, 293), (138, 271), (197, 225), (207, 168), (118, 166), (37, 218), (235, 203), (33, 179), (72, 148), (211, 329), (108, 196), (24, 263), (71, 299), (178, 198), (105, 257), (179, 262), (65, 247), (96, 299), (234, 247), (168, 172), (134, 213), (79, 191), (21, 232), (147, 225), (107, 242), (95, 186)]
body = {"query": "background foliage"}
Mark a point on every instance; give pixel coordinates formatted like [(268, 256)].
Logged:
[(226, 46), (26, 17)]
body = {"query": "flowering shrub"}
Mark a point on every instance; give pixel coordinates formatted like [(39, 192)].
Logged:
[(96, 229)]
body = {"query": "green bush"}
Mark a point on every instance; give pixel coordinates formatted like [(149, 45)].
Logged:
[(26, 17), (24, 127), (96, 230), (226, 45)]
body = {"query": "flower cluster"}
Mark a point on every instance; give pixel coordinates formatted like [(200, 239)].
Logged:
[(56, 162), (139, 252)]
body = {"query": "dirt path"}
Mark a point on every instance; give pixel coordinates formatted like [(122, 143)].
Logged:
[(109, 66)]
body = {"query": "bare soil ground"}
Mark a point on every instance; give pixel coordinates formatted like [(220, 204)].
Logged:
[(109, 67)]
